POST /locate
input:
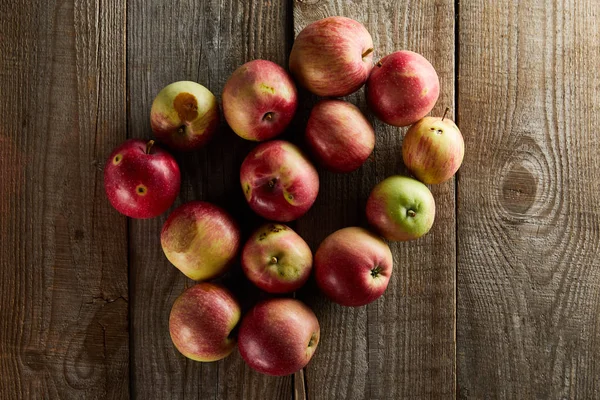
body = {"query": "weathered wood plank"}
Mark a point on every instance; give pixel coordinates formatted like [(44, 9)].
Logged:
[(203, 41), (63, 263), (529, 220), (401, 346)]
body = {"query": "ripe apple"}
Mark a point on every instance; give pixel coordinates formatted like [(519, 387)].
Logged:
[(340, 136), (141, 180), (402, 88), (401, 208), (200, 239), (259, 100), (201, 322), (277, 259), (332, 57), (433, 149), (279, 182), (184, 115), (278, 336), (353, 267)]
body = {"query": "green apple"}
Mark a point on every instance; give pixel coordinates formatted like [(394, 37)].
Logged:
[(401, 208)]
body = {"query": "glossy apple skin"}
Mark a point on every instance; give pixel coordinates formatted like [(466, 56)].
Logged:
[(278, 336), (332, 57), (402, 88), (277, 259), (138, 184), (184, 115), (201, 321), (401, 208), (353, 267), (339, 135), (279, 182), (259, 100), (433, 149), (200, 239)]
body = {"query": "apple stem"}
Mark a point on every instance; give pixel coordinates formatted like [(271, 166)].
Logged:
[(367, 52), (411, 213), (445, 112), (274, 260), (149, 146), (268, 116)]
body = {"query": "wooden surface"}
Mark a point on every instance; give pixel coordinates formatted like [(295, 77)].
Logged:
[(63, 264), (401, 346), (512, 260), (528, 227)]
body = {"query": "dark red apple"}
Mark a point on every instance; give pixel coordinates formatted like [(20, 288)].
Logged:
[(141, 180), (278, 336), (353, 266), (332, 57), (279, 182), (201, 322), (402, 88), (259, 100), (277, 259), (339, 135)]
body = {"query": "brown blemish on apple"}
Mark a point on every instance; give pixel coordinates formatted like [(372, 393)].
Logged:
[(424, 92), (186, 106), (186, 233), (141, 190), (117, 160)]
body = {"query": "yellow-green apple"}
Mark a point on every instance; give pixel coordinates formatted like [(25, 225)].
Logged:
[(402, 88), (278, 336), (353, 267), (277, 259), (433, 149), (339, 135), (200, 239), (401, 208), (332, 57), (259, 100), (279, 182), (141, 180), (184, 115), (201, 322)]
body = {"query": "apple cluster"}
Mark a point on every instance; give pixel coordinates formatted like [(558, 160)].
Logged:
[(331, 58)]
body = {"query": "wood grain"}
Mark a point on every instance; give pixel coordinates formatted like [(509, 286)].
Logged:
[(528, 215), (63, 263), (203, 41), (401, 346)]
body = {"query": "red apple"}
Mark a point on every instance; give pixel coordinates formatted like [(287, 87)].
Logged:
[(141, 180), (353, 266), (332, 57), (279, 336), (433, 149), (184, 115), (259, 100), (278, 181), (340, 136), (201, 322), (401, 208), (402, 88), (277, 259), (200, 239)]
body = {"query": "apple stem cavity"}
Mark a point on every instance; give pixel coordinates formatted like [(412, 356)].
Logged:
[(149, 146), (411, 213), (274, 260), (272, 183), (268, 116), (367, 52), (445, 112)]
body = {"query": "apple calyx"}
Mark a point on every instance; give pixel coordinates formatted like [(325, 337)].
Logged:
[(376, 271), (367, 52), (149, 146), (272, 183), (411, 213), (312, 341)]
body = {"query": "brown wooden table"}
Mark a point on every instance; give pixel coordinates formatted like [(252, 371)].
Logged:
[(500, 300)]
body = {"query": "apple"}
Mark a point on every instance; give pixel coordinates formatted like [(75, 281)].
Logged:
[(401, 208), (201, 322), (141, 180), (433, 149), (279, 182), (277, 259), (259, 100), (184, 115), (200, 239), (353, 267), (402, 88), (278, 336), (332, 57), (339, 135)]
